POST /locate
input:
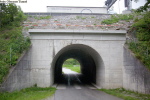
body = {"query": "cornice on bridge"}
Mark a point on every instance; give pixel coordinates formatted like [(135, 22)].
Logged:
[(77, 31)]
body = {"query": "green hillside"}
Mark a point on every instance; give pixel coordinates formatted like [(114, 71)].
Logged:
[(12, 42), (140, 33)]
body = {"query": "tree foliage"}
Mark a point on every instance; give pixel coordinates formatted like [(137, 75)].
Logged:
[(146, 7), (71, 61), (10, 13)]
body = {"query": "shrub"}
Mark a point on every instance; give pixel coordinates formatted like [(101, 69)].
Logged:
[(3, 70), (142, 47)]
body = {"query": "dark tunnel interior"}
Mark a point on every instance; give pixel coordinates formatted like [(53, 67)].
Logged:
[(88, 67)]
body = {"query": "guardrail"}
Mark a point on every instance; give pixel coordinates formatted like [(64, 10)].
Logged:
[(59, 14)]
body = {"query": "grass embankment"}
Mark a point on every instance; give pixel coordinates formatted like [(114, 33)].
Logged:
[(126, 95), (12, 45), (141, 30), (12, 42), (33, 93), (69, 64), (139, 33)]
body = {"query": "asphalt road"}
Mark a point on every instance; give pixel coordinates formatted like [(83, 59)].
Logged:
[(82, 94), (76, 90)]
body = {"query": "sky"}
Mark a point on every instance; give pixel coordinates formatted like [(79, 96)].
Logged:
[(40, 5)]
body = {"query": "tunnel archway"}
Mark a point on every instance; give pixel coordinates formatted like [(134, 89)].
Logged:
[(88, 58)]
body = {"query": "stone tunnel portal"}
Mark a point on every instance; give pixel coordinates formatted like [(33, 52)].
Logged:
[(87, 57)]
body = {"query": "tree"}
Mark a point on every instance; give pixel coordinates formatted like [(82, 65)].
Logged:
[(10, 13), (145, 7)]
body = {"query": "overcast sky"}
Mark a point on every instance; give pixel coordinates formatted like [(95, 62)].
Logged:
[(40, 5)]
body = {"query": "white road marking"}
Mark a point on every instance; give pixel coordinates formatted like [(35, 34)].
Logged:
[(91, 87), (77, 78), (60, 86), (77, 86)]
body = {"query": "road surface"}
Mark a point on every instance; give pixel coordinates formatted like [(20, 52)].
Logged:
[(73, 88)]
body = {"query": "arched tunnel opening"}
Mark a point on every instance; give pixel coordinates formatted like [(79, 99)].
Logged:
[(85, 55)]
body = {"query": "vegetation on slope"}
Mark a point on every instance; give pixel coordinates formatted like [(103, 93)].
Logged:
[(72, 64), (141, 31), (12, 42), (116, 18), (126, 94), (33, 93), (42, 17)]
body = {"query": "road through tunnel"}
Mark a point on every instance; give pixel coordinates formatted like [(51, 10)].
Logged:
[(88, 58)]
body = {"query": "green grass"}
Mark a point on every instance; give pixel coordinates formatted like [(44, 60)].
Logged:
[(42, 17), (110, 21), (80, 17), (92, 17), (69, 64), (76, 69), (126, 94), (117, 18), (33, 93)]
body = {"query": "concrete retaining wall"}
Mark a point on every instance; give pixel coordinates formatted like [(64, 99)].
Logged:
[(19, 76), (136, 76)]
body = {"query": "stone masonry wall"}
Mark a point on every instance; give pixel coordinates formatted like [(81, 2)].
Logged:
[(136, 76)]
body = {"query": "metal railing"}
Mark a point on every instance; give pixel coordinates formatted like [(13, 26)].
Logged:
[(59, 14)]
